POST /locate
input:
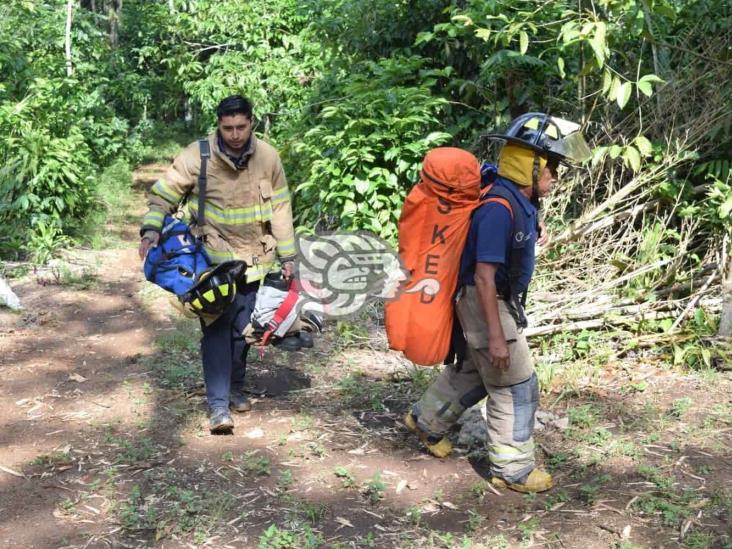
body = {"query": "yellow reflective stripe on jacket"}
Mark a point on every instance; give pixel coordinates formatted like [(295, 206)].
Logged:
[(280, 195), (166, 192), (217, 256), (286, 248), (258, 272), (153, 219), (235, 216), (254, 272)]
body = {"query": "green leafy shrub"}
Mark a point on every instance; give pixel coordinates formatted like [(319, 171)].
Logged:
[(362, 153)]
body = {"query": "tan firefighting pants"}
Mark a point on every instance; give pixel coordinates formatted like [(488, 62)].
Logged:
[(513, 394)]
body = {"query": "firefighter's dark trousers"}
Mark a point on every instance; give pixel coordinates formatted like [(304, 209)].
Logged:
[(223, 349)]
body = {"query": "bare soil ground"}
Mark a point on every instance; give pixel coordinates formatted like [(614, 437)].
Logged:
[(104, 441)]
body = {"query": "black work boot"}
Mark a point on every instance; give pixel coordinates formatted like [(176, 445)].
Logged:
[(289, 343), (306, 340), (239, 402), (220, 421)]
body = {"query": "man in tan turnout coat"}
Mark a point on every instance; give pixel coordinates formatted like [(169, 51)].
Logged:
[(248, 216)]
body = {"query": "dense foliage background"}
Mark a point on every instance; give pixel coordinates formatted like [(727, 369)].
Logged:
[(354, 92)]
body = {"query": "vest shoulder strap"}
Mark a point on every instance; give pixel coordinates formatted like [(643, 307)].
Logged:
[(205, 150), (501, 195)]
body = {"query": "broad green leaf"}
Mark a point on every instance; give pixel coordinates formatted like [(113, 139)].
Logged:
[(644, 146), (645, 88), (678, 355), (484, 34), (699, 318), (707, 357), (560, 65), (652, 78), (615, 151), (607, 80), (349, 208), (598, 43), (523, 42), (614, 88), (598, 155), (600, 32), (599, 51), (632, 158), (725, 209), (464, 19), (644, 83), (437, 137), (624, 91), (362, 186), (423, 38)]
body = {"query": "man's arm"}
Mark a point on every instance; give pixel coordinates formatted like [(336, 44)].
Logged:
[(282, 227), (485, 284), (165, 196)]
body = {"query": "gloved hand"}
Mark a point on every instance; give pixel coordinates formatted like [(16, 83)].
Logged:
[(288, 268), (149, 240)]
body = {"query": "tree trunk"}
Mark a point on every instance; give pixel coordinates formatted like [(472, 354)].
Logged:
[(67, 41), (113, 16), (171, 6), (725, 322)]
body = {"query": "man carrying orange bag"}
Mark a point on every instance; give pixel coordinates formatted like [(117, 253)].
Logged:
[(496, 268)]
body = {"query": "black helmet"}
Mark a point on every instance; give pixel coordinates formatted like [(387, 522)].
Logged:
[(546, 135), (215, 290)]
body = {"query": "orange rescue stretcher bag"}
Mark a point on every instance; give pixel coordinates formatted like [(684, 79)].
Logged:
[(433, 228)]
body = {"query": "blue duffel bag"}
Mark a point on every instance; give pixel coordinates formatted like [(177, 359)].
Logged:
[(178, 260)]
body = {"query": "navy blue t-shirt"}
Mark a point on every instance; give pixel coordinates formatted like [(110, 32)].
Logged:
[(489, 241)]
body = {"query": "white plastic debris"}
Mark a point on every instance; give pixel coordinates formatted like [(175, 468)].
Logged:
[(8, 297)]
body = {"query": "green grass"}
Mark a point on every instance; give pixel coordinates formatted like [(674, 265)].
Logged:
[(584, 416), (129, 451), (177, 363), (159, 142), (360, 393), (174, 508), (83, 279), (347, 478), (114, 199), (295, 537), (254, 463), (53, 459), (680, 406), (374, 488)]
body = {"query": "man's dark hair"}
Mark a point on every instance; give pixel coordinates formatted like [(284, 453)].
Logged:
[(234, 104)]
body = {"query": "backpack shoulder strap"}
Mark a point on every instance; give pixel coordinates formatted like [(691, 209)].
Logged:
[(503, 196), (205, 150)]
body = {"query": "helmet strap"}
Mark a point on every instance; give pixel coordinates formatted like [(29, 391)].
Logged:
[(535, 183)]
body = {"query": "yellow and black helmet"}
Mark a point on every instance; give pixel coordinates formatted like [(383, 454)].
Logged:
[(215, 290), (546, 135)]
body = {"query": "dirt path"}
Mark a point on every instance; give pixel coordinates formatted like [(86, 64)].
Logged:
[(104, 440)]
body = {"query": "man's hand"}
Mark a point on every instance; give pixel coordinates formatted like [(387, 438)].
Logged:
[(288, 268), (149, 240), (485, 284), (543, 239), (498, 351)]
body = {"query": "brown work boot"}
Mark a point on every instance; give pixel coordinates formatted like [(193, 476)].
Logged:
[(536, 481), (220, 421), (239, 402), (438, 447)]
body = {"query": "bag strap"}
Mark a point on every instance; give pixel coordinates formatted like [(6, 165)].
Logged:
[(516, 302), (205, 150)]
